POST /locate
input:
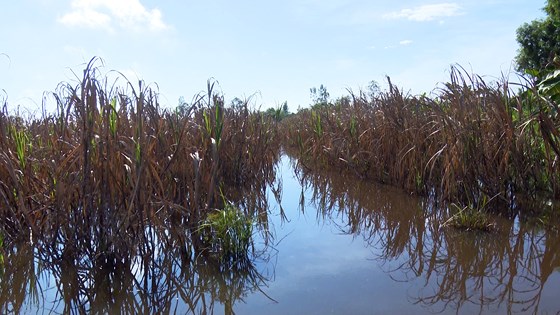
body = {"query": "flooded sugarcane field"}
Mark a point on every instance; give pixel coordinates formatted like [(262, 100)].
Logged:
[(374, 204), (330, 245)]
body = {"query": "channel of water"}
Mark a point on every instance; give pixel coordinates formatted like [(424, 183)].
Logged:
[(334, 245)]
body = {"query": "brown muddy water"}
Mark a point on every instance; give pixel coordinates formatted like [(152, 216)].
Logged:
[(333, 245)]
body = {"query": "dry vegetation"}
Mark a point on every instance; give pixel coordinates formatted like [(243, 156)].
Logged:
[(110, 165), (409, 241), (470, 143), (110, 162), (111, 181)]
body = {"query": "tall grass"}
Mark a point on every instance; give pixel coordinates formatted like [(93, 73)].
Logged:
[(111, 162), (467, 142), (408, 239)]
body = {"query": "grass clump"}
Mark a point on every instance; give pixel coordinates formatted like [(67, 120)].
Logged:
[(470, 219), (228, 232)]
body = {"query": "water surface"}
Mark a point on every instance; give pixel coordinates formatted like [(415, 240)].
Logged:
[(333, 245), (353, 247)]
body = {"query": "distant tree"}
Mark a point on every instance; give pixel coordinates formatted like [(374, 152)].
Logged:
[(285, 108), (373, 88), (540, 41), (320, 97), (182, 107), (343, 101), (271, 111), (237, 103), (278, 113)]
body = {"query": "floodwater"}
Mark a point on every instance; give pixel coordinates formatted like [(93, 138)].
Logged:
[(333, 245)]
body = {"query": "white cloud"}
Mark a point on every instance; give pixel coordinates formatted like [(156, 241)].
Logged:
[(427, 12), (101, 14), (405, 42), (86, 17)]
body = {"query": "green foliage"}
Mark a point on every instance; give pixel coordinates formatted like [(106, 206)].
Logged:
[(549, 87), (137, 152), (278, 113), (552, 8), (206, 121), (470, 219), (113, 117), (353, 126), (22, 143), (214, 126), (316, 122), (228, 232), (219, 121), (539, 41)]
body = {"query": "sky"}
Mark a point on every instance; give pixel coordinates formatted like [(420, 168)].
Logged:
[(271, 52)]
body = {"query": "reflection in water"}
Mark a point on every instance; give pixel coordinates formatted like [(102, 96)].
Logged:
[(177, 282), (514, 270), (165, 270), (506, 271)]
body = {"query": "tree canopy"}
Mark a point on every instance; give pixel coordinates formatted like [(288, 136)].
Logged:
[(540, 41), (320, 97)]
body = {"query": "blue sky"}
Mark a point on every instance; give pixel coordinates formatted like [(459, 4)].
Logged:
[(275, 50)]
